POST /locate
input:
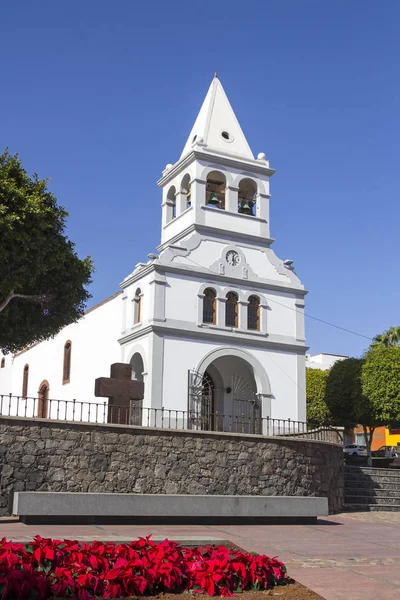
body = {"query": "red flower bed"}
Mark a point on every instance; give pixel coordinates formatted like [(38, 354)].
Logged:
[(53, 568)]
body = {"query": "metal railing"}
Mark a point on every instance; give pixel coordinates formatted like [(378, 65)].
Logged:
[(134, 414)]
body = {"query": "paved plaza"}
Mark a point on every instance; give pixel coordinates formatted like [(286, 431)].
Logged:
[(352, 556)]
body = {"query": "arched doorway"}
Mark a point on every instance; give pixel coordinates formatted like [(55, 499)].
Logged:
[(43, 400), (136, 416), (240, 383)]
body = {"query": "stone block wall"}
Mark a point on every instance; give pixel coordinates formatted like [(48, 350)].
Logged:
[(80, 457)]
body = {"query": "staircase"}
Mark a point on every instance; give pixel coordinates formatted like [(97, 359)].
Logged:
[(371, 489)]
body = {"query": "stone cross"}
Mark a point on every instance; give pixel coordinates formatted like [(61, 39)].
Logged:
[(120, 389)]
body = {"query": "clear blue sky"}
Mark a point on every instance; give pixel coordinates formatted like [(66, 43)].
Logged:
[(100, 95)]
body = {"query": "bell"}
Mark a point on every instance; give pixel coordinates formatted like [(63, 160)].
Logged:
[(213, 199), (246, 207)]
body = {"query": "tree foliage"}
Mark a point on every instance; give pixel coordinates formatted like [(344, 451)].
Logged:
[(390, 337), (317, 409), (344, 396), (42, 279), (381, 383)]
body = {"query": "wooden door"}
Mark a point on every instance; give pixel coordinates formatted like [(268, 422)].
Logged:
[(43, 403)]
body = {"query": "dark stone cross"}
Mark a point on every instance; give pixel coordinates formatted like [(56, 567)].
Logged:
[(120, 389)]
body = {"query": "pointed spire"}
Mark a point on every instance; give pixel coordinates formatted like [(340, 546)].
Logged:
[(217, 127)]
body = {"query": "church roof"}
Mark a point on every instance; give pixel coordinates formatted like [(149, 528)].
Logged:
[(217, 127)]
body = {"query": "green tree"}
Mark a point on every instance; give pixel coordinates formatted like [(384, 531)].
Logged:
[(346, 400), (42, 280), (390, 337), (317, 409), (381, 383)]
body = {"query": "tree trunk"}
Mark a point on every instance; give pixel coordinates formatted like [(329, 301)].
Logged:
[(368, 443)]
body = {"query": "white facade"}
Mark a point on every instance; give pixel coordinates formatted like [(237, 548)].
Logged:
[(216, 307), (322, 361)]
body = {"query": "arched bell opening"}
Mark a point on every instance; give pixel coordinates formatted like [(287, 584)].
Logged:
[(247, 197), (186, 190), (215, 190), (171, 203)]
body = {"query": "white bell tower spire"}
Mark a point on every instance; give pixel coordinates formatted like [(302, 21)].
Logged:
[(217, 184), (216, 127)]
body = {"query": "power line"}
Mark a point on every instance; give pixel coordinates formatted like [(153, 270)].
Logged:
[(323, 321), (367, 337)]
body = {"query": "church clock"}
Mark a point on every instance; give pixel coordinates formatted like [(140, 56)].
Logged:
[(232, 258)]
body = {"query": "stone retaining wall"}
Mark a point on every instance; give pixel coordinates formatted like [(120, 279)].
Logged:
[(80, 457)]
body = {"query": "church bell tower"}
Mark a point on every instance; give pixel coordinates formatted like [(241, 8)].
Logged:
[(214, 322), (217, 183)]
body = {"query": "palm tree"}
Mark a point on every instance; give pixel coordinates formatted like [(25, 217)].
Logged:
[(390, 337)]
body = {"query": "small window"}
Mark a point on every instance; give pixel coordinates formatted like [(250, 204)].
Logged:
[(25, 381), (137, 316), (209, 312), (67, 362), (253, 313), (3, 363), (231, 310)]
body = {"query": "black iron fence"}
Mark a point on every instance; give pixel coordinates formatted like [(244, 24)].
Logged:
[(134, 414)]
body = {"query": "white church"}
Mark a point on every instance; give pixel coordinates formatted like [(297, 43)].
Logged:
[(213, 324)]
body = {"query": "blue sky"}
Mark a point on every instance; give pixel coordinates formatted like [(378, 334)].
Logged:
[(99, 96)]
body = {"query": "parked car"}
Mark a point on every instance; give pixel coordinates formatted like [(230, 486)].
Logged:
[(387, 452), (355, 450)]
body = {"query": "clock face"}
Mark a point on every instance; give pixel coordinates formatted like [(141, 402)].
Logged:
[(232, 258)]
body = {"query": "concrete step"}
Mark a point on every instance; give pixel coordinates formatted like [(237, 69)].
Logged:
[(372, 492), (372, 500), (354, 477), (371, 507), (373, 471), (371, 485)]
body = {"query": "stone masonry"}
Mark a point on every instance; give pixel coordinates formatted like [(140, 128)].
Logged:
[(58, 456)]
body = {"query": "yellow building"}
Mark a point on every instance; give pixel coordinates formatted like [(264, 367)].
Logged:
[(392, 437)]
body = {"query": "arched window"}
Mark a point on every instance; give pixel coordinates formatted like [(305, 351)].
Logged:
[(186, 190), (253, 313), (3, 363), (247, 197), (25, 378), (215, 190), (171, 204), (137, 367), (43, 401), (67, 362), (231, 310), (209, 311), (137, 309)]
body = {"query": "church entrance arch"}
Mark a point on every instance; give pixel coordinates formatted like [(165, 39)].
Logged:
[(233, 403)]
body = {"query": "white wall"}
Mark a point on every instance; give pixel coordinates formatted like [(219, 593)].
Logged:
[(322, 361), (281, 368), (94, 349)]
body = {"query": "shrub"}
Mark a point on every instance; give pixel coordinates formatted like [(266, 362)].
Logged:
[(49, 568)]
